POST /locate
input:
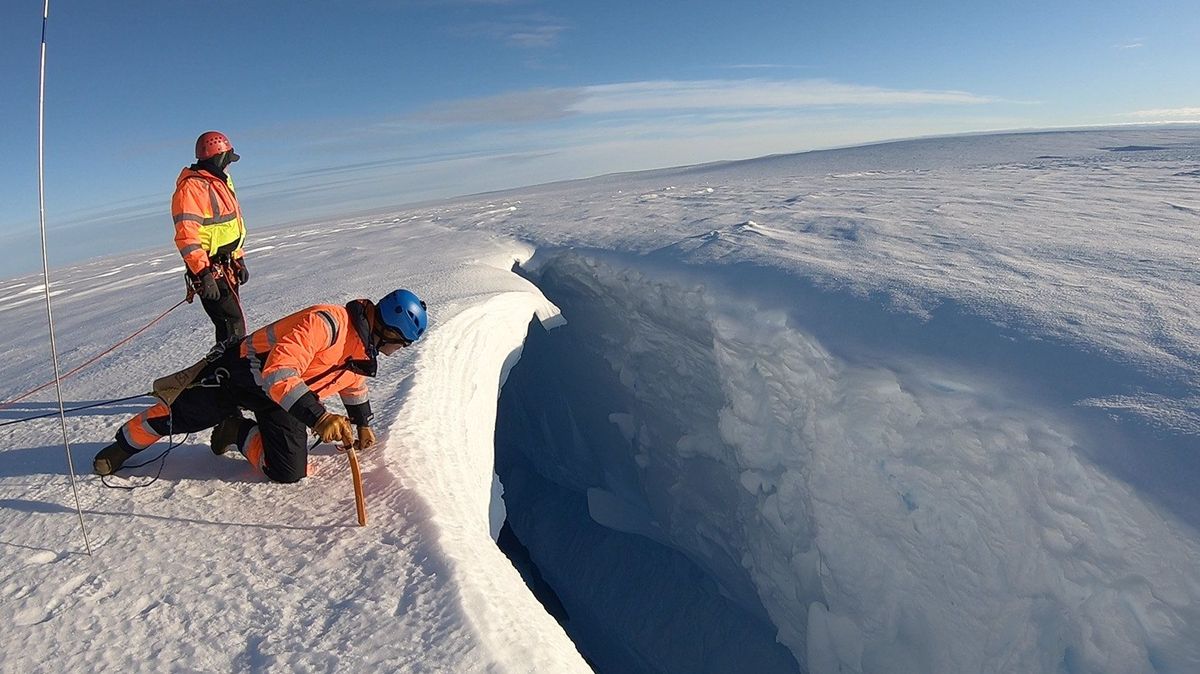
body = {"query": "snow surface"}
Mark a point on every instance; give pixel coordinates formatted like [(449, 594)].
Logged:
[(917, 407)]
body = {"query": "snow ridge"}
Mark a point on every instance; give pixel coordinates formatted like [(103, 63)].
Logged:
[(442, 440)]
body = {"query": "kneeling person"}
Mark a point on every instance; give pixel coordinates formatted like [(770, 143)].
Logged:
[(281, 373)]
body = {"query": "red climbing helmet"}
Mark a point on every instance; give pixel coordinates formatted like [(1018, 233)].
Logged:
[(211, 144)]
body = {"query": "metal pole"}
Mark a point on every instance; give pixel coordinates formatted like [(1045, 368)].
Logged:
[(62, 414)]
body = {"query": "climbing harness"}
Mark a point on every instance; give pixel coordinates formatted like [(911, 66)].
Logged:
[(167, 389)]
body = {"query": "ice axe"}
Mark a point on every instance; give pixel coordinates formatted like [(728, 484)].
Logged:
[(360, 502)]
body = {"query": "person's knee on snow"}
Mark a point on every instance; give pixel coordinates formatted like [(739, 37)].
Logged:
[(283, 464)]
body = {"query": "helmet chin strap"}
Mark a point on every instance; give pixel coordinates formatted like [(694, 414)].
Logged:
[(374, 338)]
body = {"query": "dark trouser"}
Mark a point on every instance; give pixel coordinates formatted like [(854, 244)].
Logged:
[(226, 312), (275, 442)]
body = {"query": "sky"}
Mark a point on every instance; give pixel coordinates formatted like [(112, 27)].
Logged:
[(347, 106)]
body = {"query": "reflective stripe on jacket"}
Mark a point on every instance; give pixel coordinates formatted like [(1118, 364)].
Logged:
[(207, 218), (308, 356)]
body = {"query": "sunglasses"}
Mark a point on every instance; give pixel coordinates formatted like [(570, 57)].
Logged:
[(390, 336)]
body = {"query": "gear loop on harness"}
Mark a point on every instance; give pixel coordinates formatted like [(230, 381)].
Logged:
[(213, 380)]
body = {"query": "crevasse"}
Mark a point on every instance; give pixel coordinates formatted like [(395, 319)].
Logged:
[(791, 473)]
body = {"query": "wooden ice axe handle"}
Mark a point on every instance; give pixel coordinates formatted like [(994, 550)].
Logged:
[(359, 502)]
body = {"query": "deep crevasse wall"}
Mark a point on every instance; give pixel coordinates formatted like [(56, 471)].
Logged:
[(887, 514)]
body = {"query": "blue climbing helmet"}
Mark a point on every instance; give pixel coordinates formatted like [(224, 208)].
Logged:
[(402, 311)]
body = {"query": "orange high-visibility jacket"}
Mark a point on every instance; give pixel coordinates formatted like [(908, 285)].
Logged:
[(311, 355), (208, 219)]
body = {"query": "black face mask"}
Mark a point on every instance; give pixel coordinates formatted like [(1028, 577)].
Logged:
[(217, 163), (223, 160), (213, 166)]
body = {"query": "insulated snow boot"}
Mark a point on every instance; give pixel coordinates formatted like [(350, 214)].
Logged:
[(110, 459), (225, 436)]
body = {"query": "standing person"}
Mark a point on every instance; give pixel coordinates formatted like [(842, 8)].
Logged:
[(281, 373), (209, 233)]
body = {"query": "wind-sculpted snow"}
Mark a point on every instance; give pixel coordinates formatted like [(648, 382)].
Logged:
[(890, 511), (215, 568), (1049, 234), (922, 406)]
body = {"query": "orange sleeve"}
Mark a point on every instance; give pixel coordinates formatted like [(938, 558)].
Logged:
[(283, 372), (356, 393), (189, 207)]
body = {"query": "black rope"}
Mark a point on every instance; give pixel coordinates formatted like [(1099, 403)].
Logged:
[(76, 409), (162, 458), (172, 445)]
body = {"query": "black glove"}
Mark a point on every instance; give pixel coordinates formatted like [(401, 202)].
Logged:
[(243, 274), (207, 285)]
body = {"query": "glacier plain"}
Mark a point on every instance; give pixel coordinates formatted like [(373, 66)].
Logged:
[(926, 406), (926, 412)]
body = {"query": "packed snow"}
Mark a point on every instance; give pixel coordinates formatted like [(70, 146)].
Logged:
[(926, 406)]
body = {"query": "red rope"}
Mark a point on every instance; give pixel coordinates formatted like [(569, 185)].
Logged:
[(93, 359)]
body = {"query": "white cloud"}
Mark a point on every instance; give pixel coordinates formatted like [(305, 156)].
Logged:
[(766, 66), (755, 94), (1161, 114), (1135, 43), (530, 32), (516, 107), (404, 4), (702, 96)]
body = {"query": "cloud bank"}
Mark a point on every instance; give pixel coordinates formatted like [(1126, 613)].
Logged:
[(1167, 114), (663, 96)]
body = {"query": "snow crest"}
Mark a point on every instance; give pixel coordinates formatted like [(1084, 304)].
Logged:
[(443, 438)]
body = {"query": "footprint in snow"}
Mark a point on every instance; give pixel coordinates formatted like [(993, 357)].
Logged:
[(42, 557), (34, 615), (31, 616), (197, 489)]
